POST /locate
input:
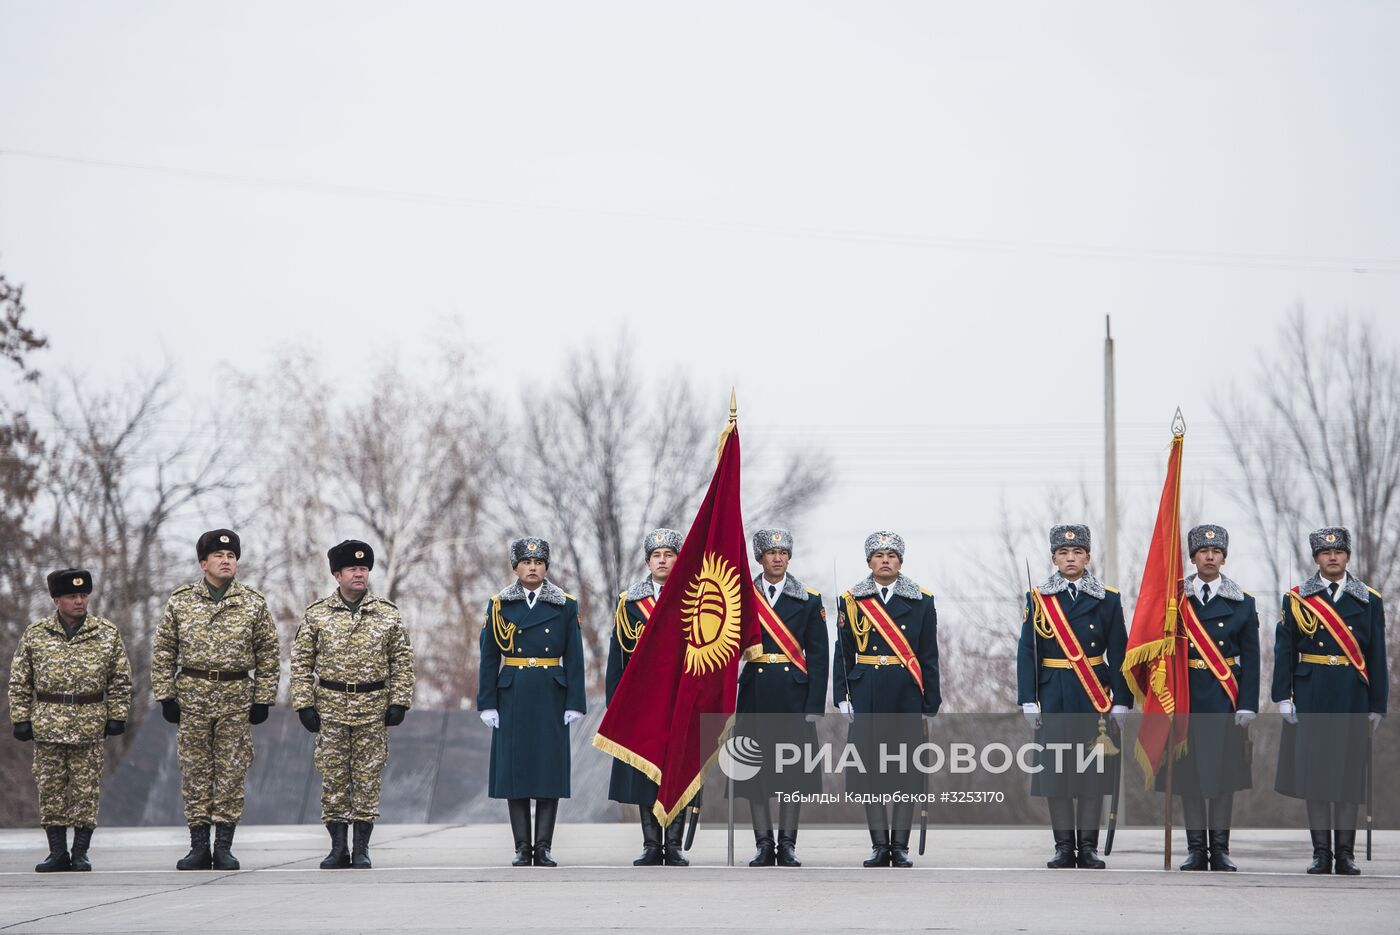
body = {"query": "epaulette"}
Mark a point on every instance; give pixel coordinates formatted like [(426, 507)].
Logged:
[(926, 591), (845, 595), (182, 589), (1114, 590), (814, 591), (385, 600), (569, 596), (1373, 590), (315, 603)]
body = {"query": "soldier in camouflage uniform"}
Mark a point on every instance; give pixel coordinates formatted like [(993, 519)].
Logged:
[(352, 679), (70, 686), (212, 633)]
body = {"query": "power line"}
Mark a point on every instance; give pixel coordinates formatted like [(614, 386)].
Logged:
[(1297, 262)]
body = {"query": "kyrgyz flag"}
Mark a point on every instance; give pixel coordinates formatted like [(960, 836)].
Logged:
[(1155, 663), (686, 664)]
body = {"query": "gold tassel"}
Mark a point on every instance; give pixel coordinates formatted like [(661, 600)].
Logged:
[(1169, 625), (504, 633), (1103, 740)]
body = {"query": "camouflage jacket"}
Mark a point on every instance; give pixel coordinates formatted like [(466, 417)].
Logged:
[(367, 645), (232, 635), (93, 660)]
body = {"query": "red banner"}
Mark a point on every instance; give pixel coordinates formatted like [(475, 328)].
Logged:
[(686, 664), (1155, 662)]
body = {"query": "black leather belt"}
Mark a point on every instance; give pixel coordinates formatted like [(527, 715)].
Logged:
[(213, 675), (70, 698), (351, 688)]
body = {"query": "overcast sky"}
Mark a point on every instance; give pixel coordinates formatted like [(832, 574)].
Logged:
[(896, 227)]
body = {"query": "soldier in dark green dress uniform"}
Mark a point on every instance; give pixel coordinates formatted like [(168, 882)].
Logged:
[(1056, 701), (531, 690), (629, 786), (782, 693), (1331, 684), (1223, 703), (885, 680)]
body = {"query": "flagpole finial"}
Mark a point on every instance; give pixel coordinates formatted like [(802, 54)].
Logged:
[(733, 406), (1178, 423)]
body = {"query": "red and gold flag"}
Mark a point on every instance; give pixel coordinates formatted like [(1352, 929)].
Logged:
[(675, 702), (1155, 662)]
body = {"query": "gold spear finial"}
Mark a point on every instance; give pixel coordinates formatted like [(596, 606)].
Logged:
[(731, 425), (733, 406)]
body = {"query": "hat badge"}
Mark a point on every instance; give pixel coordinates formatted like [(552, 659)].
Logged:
[(657, 538), (360, 554), (1070, 536), (77, 582), (223, 539), (777, 538), (1331, 537), (1210, 533), (530, 547), (884, 538)]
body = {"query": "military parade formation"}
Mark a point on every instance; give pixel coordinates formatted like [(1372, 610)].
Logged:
[(215, 668)]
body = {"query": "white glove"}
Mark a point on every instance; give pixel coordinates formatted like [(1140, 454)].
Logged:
[(847, 709), (1290, 713), (814, 719), (1031, 711), (571, 716), (1119, 713), (1376, 717), (1243, 717), (491, 718)]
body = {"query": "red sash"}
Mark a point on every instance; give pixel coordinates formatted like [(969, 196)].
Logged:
[(1074, 653), (883, 622), (773, 625), (1208, 651), (1322, 609), (646, 605)]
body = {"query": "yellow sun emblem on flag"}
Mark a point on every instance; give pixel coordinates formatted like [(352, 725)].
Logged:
[(710, 615)]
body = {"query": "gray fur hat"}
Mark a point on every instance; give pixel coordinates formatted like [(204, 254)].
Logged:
[(766, 539), (1207, 536), (661, 538), (1073, 535), (1330, 537), (528, 547), (883, 539)]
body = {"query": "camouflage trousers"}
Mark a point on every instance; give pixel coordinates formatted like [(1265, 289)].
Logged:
[(69, 777), (215, 753), (350, 759)]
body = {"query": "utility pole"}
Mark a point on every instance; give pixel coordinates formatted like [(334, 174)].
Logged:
[(1110, 462)]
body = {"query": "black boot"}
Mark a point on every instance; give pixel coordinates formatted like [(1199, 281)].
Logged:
[(546, 810), (1197, 857), (57, 861), (339, 857), (1220, 851), (675, 839), (199, 857), (899, 848), (1322, 851), (520, 830), (1088, 858), (765, 852), (1064, 858), (1345, 864), (652, 854), (82, 837), (878, 823), (788, 813), (359, 857), (223, 844)]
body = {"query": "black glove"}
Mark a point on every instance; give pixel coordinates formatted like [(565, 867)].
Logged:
[(257, 713), (114, 728), (393, 717), (24, 730), (170, 710), (310, 719)]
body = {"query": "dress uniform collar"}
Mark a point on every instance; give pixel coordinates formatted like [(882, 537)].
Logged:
[(642, 590), (904, 586), (791, 587), (548, 593), (1220, 587), (1087, 584), (1318, 585)]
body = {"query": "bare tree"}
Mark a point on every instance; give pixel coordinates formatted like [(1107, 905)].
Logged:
[(598, 463)]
